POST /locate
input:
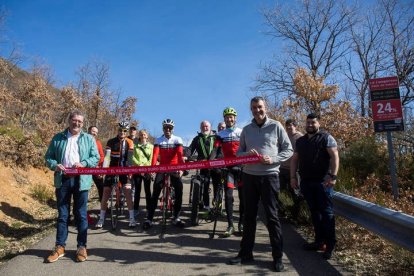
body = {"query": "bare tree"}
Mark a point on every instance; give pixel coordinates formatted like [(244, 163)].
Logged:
[(315, 33), (400, 47), (93, 86), (366, 56)]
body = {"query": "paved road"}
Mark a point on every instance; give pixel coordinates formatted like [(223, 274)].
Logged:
[(187, 251)]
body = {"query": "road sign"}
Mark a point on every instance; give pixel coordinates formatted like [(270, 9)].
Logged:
[(386, 104)]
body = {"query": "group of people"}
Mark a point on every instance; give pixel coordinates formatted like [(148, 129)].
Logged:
[(313, 160)]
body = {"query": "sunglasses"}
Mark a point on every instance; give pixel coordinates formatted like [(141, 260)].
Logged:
[(123, 130), (167, 127)]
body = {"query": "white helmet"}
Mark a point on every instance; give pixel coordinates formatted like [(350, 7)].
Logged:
[(168, 122)]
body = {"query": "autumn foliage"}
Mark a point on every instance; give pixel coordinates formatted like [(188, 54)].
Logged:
[(32, 111), (312, 95)]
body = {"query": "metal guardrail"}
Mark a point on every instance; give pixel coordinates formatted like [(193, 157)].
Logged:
[(394, 226)]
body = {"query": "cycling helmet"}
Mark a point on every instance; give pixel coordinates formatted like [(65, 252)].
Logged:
[(229, 111), (123, 124), (168, 122)]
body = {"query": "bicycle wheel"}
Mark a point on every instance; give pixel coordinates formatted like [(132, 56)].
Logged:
[(164, 209), (195, 203), (113, 207), (191, 192), (121, 200), (216, 212)]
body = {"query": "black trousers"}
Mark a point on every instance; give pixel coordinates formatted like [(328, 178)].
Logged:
[(138, 179), (266, 188), (178, 191), (99, 182)]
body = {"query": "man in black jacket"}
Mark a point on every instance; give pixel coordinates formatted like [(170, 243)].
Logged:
[(316, 157), (203, 144)]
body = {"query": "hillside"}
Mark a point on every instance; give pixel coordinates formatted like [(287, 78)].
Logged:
[(22, 216)]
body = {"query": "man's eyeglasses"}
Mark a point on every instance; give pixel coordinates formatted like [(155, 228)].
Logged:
[(167, 128), (123, 130)]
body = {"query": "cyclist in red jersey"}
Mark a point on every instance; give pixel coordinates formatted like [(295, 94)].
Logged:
[(121, 149), (168, 150), (228, 141)]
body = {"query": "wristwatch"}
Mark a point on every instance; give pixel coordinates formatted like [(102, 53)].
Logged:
[(332, 176)]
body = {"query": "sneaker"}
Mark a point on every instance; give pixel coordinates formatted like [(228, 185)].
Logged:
[(147, 224), (178, 222), (81, 254), (240, 227), (100, 223), (229, 231), (58, 251), (132, 222)]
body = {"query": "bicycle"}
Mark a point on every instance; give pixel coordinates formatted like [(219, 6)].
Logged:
[(167, 202), (217, 209), (117, 202), (196, 196)]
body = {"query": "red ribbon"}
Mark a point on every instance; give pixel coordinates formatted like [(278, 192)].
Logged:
[(203, 164)]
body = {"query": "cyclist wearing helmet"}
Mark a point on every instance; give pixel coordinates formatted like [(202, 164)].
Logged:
[(121, 149), (168, 150), (228, 141)]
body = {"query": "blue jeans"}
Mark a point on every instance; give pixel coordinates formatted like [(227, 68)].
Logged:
[(69, 188), (319, 200)]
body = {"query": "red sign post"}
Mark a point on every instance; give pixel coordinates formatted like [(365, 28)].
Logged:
[(387, 115), (386, 104)]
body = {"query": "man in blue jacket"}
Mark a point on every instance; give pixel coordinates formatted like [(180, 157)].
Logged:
[(71, 148)]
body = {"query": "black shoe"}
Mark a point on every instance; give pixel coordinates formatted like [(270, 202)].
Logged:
[(278, 265), (240, 260), (328, 252), (178, 222), (314, 246), (327, 255), (147, 224)]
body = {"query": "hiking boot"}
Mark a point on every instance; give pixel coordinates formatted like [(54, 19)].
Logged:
[(314, 246), (147, 224), (81, 254), (229, 231), (178, 222), (132, 222), (100, 223), (58, 251)]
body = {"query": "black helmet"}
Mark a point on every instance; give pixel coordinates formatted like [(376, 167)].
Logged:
[(124, 125)]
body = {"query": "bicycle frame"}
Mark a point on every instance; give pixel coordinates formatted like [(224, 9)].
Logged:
[(218, 202), (196, 195), (167, 201), (117, 203)]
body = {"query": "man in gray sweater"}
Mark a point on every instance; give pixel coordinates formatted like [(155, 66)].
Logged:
[(268, 139)]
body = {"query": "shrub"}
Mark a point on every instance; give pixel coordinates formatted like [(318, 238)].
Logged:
[(42, 193), (363, 158)]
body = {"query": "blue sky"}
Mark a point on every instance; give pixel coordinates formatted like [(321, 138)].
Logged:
[(184, 59)]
